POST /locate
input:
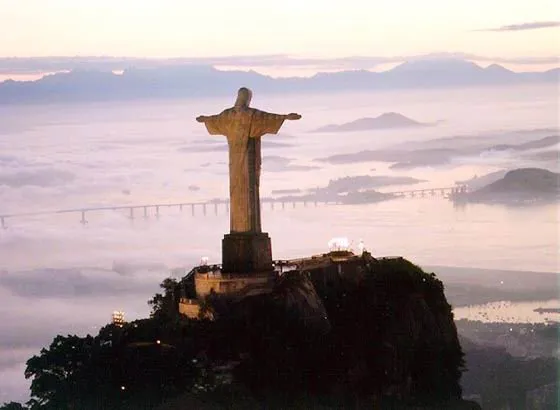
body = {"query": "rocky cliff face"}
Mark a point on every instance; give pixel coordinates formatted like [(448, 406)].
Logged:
[(358, 329), (295, 292)]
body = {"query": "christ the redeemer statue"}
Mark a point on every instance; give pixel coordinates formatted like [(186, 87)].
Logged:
[(243, 127)]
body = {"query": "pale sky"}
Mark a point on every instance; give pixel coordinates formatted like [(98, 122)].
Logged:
[(319, 28)]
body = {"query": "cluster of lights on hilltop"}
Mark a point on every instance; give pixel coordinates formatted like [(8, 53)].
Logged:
[(343, 244), (118, 318)]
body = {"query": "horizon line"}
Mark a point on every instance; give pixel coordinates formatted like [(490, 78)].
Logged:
[(38, 73), (45, 64)]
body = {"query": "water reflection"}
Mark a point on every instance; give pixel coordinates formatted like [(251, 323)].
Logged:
[(511, 312)]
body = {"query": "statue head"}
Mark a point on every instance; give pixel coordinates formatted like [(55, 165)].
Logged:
[(244, 96)]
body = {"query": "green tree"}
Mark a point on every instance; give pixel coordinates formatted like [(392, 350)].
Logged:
[(137, 366), (74, 372), (13, 406), (164, 306)]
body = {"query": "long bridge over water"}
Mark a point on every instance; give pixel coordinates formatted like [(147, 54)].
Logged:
[(147, 210)]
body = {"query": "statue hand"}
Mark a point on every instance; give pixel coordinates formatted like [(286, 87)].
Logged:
[(293, 116), (201, 118)]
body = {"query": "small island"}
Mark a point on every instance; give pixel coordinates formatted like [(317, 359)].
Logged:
[(359, 189), (384, 121)]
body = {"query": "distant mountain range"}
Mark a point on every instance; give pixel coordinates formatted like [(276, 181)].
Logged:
[(197, 81), (384, 121)]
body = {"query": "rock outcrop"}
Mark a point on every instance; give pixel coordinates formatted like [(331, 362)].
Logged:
[(346, 328)]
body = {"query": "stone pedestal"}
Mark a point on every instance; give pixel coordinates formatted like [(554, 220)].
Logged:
[(246, 253)]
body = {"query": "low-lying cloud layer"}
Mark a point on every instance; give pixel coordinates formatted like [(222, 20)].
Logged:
[(40, 177), (69, 283), (39, 304)]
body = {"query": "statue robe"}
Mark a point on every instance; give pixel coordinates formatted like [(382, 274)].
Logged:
[(244, 127)]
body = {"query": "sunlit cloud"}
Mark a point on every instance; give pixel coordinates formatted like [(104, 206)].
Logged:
[(535, 25)]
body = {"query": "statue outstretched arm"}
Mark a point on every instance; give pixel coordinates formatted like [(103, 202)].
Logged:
[(215, 124), (273, 117), (204, 118), (268, 123), (293, 116)]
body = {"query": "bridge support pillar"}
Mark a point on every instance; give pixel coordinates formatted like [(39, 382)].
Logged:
[(3, 222)]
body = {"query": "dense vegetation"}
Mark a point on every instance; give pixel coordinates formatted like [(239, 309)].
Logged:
[(384, 336)]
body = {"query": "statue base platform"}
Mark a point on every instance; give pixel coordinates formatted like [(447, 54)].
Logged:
[(234, 286), (246, 252)]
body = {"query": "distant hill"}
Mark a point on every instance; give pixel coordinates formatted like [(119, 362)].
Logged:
[(384, 121), (524, 184), (190, 80), (525, 180)]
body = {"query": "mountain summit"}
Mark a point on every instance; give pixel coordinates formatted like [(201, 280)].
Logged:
[(384, 121)]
